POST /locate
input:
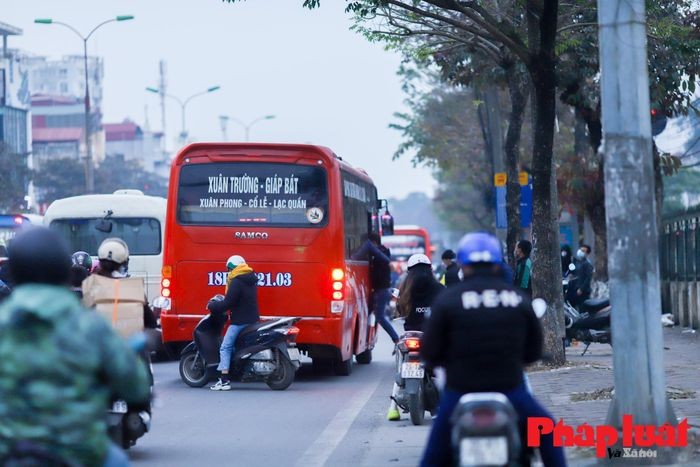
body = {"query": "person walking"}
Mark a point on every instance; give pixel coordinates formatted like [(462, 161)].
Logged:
[(451, 275), (379, 258)]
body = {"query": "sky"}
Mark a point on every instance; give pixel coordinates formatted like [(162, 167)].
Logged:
[(324, 84)]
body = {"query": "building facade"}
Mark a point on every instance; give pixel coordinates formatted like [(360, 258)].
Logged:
[(130, 141)]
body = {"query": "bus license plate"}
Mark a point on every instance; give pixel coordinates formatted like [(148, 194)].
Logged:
[(119, 407), (412, 370), (293, 353), (492, 450)]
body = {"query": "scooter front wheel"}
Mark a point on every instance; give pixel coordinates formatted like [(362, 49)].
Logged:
[(193, 370)]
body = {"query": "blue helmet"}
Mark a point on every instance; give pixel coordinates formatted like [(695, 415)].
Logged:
[(479, 247)]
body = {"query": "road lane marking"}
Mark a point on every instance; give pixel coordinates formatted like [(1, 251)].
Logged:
[(322, 449)]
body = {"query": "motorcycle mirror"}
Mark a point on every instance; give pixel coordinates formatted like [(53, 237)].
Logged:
[(540, 307), (572, 267)]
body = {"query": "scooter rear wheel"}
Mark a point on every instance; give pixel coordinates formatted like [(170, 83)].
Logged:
[(416, 407), (283, 377), (193, 370)]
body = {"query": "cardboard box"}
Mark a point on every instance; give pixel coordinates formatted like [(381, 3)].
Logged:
[(119, 301)]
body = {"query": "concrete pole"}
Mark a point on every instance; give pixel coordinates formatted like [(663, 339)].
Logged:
[(89, 167), (631, 217)]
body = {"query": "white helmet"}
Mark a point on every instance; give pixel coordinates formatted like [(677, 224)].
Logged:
[(234, 261), (113, 249), (418, 258)]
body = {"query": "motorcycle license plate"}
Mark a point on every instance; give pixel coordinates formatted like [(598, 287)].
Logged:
[(412, 370), (492, 450), (293, 353), (119, 407)]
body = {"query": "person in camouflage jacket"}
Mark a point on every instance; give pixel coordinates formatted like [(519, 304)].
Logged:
[(60, 365)]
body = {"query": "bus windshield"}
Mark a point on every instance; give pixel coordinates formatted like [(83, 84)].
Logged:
[(258, 193), (403, 246), (142, 234)]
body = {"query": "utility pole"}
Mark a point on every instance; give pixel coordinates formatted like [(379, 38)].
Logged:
[(223, 120), (162, 88), (640, 385)]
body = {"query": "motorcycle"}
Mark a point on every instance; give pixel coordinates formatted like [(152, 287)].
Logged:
[(126, 424), (592, 322), (265, 351), (417, 391), (486, 429)]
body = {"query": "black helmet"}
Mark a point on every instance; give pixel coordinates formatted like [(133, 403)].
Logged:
[(81, 258), (39, 255)]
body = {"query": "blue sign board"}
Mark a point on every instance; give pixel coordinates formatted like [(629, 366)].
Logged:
[(525, 206)]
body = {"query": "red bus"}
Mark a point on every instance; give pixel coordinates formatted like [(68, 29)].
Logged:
[(408, 240), (296, 213)]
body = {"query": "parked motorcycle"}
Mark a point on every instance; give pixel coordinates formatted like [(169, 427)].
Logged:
[(486, 429), (265, 351), (591, 323), (417, 390), (126, 424)]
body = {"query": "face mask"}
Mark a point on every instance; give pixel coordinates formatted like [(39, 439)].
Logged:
[(564, 254), (120, 273), (580, 254)]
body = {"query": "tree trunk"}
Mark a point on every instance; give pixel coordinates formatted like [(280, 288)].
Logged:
[(596, 213), (517, 87), (658, 185), (545, 230)]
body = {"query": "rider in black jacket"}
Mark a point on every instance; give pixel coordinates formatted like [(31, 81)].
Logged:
[(416, 296), (241, 301), (483, 331)]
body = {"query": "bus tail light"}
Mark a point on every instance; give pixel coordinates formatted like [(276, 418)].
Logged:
[(337, 306), (338, 284), (165, 284), (167, 272)]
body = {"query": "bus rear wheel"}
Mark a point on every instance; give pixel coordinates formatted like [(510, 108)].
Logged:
[(342, 367), (364, 358)]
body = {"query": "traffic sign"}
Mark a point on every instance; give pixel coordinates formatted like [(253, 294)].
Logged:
[(525, 202), (500, 178)]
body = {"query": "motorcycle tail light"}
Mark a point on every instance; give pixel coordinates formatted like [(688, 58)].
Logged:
[(483, 416), (292, 331), (413, 343)]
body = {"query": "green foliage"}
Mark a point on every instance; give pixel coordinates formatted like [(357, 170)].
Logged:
[(14, 176), (62, 178), (59, 178), (442, 131), (681, 192)]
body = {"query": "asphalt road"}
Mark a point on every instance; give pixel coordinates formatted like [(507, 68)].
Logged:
[(321, 419)]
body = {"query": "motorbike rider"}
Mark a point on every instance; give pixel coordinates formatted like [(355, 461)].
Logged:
[(241, 301), (79, 271), (113, 255), (416, 295), (482, 331), (60, 365)]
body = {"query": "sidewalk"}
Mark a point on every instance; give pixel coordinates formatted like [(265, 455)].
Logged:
[(565, 392), (579, 392)]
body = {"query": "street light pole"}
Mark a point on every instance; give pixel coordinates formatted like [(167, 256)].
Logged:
[(89, 167), (183, 106), (247, 127)]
